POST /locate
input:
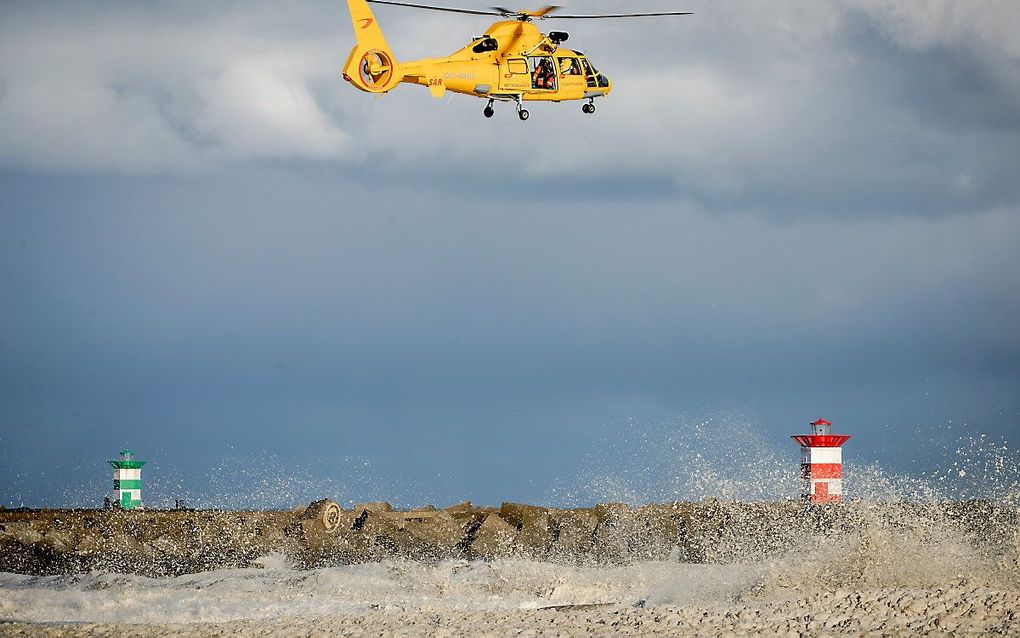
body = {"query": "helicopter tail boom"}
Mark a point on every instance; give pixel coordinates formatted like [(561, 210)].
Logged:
[(371, 65)]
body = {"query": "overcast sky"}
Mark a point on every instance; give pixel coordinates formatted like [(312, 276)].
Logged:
[(274, 287)]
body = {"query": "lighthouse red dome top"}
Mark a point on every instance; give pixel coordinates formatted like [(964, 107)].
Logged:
[(821, 436)]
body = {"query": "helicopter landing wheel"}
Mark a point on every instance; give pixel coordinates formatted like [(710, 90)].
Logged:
[(488, 112), (588, 108), (523, 114)]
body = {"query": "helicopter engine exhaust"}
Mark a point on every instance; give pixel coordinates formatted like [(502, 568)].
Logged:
[(487, 44)]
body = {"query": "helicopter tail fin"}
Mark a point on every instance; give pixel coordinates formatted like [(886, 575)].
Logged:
[(371, 66)]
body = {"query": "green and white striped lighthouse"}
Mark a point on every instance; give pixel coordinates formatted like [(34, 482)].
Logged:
[(127, 481)]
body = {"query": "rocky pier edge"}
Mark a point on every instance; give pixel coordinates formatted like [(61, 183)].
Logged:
[(173, 542)]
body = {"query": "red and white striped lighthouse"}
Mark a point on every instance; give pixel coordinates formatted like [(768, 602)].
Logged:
[(821, 463)]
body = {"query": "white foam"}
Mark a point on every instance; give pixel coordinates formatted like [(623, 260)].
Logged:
[(278, 591)]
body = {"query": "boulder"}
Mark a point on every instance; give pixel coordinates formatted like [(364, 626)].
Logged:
[(611, 536), (324, 513), (610, 512), (535, 531), (643, 533), (441, 536), (323, 534), (657, 531), (55, 541), (378, 506), (574, 531), (24, 533), (417, 515), (494, 538)]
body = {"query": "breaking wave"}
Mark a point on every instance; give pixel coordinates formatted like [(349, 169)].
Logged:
[(913, 546), (896, 533)]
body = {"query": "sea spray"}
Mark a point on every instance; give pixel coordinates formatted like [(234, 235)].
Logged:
[(939, 545)]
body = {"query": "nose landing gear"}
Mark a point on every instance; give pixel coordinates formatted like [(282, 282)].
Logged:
[(488, 112), (589, 108)]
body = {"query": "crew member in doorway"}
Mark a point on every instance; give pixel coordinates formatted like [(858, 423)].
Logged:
[(544, 76)]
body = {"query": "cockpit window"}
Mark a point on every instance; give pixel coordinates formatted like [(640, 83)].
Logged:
[(591, 78)]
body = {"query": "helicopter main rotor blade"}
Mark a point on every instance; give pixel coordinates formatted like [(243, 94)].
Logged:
[(543, 11), (432, 8), (616, 15), (541, 14)]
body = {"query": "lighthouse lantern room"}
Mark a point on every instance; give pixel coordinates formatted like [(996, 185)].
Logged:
[(821, 463)]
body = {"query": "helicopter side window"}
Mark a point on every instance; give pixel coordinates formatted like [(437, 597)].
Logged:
[(569, 66), (517, 65)]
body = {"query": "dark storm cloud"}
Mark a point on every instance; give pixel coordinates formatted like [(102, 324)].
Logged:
[(808, 108), (967, 101)]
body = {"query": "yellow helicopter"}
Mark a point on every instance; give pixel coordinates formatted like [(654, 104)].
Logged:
[(512, 62)]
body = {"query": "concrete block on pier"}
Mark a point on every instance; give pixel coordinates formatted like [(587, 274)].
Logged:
[(535, 534), (494, 538), (440, 536), (377, 506), (574, 531), (324, 513)]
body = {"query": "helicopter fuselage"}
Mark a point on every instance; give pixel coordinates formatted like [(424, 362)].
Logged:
[(522, 63), (526, 64)]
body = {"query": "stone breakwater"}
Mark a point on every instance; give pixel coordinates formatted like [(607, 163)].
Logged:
[(166, 543)]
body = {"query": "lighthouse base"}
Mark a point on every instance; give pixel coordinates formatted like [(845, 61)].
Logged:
[(820, 492)]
